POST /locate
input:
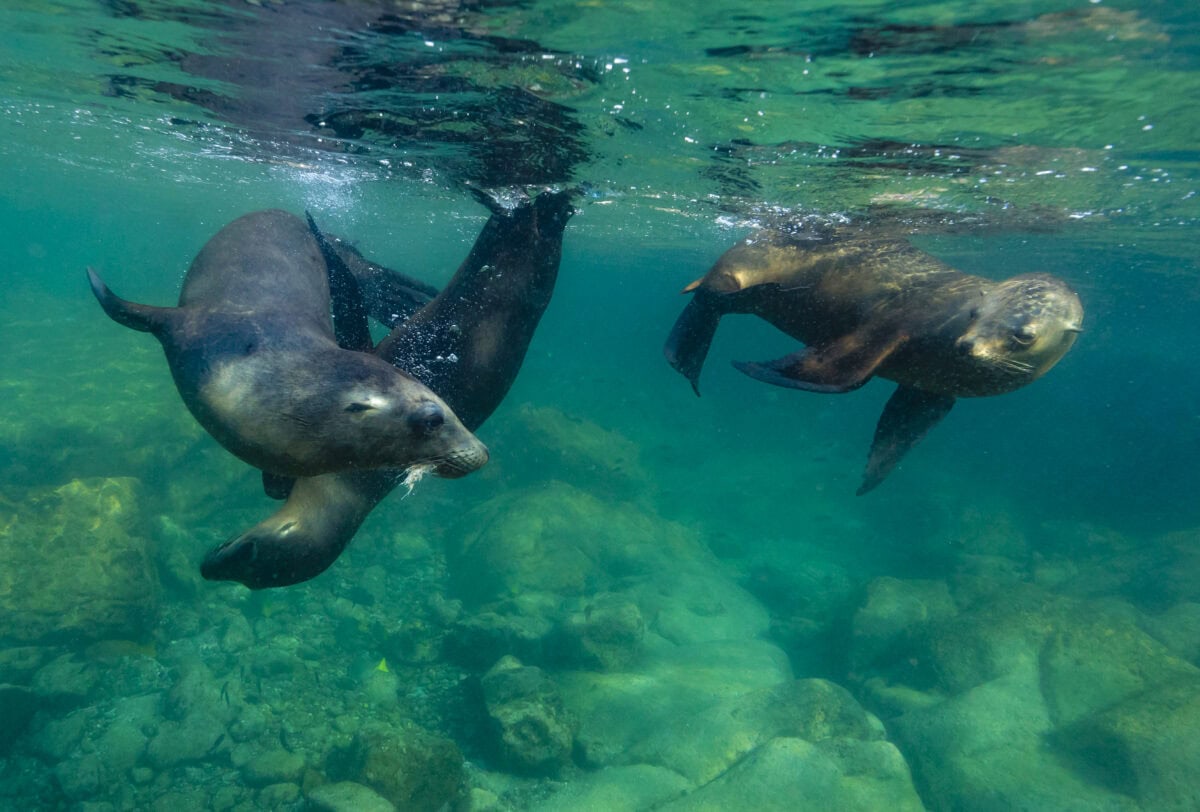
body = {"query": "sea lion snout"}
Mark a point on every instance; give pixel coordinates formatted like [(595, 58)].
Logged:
[(463, 461)]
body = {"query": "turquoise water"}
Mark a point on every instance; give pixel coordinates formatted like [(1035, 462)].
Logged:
[(701, 612)]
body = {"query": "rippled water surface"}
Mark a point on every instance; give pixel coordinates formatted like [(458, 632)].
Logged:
[(646, 600)]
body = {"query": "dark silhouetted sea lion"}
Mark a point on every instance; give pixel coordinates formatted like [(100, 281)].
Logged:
[(885, 308), (467, 344), (252, 350)]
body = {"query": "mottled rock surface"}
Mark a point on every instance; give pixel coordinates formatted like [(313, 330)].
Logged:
[(76, 566)]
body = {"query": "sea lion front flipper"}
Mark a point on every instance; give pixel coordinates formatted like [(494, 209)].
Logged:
[(350, 326), (907, 417), (144, 318), (839, 366), (277, 486), (687, 345)]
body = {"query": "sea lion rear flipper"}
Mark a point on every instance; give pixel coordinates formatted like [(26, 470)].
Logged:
[(907, 417), (839, 366), (277, 486), (687, 345), (350, 326), (145, 318)]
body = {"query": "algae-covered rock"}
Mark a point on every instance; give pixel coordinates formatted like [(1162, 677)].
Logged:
[(1147, 747), (986, 749), (535, 731), (606, 633), (483, 638), (787, 774), (409, 767), (274, 766), (347, 796), (578, 450), (74, 565), (1096, 661), (704, 745), (65, 680), (562, 540), (617, 789), (699, 605), (670, 683), (1179, 629), (896, 612), (123, 743), (79, 777), (19, 663), (17, 706), (198, 737)]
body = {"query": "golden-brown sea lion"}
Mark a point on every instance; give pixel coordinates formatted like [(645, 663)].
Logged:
[(881, 307)]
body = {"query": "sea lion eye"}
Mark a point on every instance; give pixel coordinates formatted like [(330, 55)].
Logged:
[(427, 419), (1024, 335), (359, 407)]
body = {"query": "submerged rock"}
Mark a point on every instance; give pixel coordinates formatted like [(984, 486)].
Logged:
[(989, 743), (17, 706), (535, 733), (618, 789), (670, 684), (606, 633), (561, 540), (1146, 747), (408, 767), (577, 450), (846, 776), (895, 614), (704, 745), (74, 565), (274, 766), (347, 796)]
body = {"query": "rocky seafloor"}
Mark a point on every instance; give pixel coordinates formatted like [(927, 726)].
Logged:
[(555, 642)]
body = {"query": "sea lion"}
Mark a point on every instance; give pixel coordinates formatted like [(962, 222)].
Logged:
[(881, 307), (467, 344), (252, 351)]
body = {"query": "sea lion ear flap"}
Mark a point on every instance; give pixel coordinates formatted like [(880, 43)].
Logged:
[(140, 317), (839, 366), (907, 417)]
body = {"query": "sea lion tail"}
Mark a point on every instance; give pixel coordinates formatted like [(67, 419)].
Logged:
[(145, 318), (687, 345)]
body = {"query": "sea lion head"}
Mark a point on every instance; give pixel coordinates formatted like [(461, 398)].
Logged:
[(392, 420), (1023, 326)]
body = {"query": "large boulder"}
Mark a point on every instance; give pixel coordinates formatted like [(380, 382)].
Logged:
[(703, 745), (1146, 747), (670, 685), (534, 731), (408, 766), (786, 774), (558, 539), (985, 749), (75, 566)]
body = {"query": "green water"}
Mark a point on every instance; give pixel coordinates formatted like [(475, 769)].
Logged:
[(708, 618)]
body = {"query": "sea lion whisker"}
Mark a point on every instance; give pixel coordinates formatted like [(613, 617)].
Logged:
[(413, 475), (1009, 365)]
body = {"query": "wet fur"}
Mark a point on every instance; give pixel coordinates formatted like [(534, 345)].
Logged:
[(486, 318)]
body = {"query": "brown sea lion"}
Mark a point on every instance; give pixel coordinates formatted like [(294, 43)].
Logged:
[(881, 307), (251, 348), (467, 344)]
